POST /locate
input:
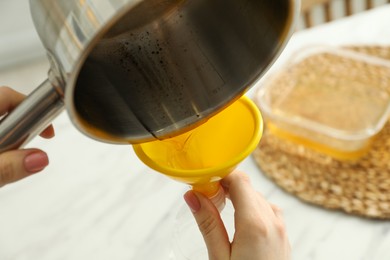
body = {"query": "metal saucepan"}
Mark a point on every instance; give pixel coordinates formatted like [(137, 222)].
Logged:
[(131, 71)]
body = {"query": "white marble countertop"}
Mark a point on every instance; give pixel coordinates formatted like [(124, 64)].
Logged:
[(98, 201)]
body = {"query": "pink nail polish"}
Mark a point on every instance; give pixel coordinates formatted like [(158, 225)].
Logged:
[(35, 162), (192, 201)]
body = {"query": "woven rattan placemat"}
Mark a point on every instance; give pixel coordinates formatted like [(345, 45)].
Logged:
[(360, 187)]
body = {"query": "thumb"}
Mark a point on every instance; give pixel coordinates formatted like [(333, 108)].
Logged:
[(18, 164), (210, 225)]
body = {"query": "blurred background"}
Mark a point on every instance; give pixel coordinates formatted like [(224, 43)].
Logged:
[(23, 64), (18, 39)]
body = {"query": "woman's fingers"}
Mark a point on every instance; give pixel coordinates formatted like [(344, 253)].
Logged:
[(210, 225), (48, 132), (18, 164), (259, 227), (9, 99), (247, 202), (277, 211)]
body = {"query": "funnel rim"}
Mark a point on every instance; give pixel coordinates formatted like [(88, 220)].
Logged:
[(229, 165)]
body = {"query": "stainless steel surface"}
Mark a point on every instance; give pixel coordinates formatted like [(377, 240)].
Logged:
[(35, 114), (136, 70)]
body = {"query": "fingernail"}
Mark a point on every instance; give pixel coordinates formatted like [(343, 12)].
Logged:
[(192, 201), (35, 162)]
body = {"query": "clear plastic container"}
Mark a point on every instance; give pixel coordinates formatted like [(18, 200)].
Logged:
[(332, 100)]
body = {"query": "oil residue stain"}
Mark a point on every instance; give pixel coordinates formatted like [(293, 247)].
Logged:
[(146, 64)]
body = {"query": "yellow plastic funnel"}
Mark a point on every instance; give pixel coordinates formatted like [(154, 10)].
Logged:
[(206, 154)]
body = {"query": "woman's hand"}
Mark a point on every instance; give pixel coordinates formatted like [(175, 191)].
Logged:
[(18, 164), (259, 228)]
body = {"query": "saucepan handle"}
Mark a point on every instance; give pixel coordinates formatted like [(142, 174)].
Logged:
[(30, 117)]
